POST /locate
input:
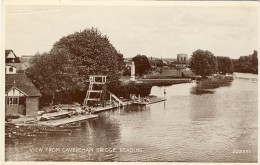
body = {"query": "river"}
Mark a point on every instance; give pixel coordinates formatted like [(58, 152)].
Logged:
[(216, 127)]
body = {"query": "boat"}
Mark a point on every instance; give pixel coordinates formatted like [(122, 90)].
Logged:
[(54, 130), (22, 134), (37, 130)]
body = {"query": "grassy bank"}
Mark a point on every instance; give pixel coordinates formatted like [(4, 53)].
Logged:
[(215, 82), (165, 82), (171, 73), (207, 85)]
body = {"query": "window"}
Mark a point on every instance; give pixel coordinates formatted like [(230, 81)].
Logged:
[(11, 100), (11, 69), (15, 100)]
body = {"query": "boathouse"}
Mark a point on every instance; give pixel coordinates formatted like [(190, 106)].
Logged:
[(21, 96)]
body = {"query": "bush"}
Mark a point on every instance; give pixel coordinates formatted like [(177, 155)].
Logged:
[(205, 86), (124, 90)]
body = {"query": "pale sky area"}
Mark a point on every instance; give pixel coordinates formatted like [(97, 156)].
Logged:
[(153, 31)]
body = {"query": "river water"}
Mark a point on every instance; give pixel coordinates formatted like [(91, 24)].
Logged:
[(216, 127)]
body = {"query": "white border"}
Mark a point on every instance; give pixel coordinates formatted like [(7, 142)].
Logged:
[(104, 3)]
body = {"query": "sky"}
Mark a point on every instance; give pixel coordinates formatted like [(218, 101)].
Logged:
[(157, 31)]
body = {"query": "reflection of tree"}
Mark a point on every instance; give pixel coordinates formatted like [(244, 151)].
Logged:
[(203, 108), (205, 86)]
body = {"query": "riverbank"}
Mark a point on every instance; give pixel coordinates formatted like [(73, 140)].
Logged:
[(206, 86), (215, 81)]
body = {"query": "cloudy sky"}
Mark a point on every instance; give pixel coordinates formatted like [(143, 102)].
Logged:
[(151, 30)]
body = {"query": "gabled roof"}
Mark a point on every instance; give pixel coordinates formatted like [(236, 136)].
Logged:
[(8, 51), (14, 87), (22, 82)]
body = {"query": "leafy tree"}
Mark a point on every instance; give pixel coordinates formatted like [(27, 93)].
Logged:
[(142, 64), (50, 75), (66, 67), (92, 53), (225, 65), (126, 71), (203, 63), (247, 64), (159, 63), (161, 70)]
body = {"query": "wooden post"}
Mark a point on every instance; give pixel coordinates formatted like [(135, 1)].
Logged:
[(110, 97)]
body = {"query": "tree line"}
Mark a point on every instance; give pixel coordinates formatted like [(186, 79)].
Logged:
[(204, 63), (246, 64), (62, 73)]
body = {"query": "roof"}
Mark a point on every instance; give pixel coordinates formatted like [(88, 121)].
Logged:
[(22, 82), (7, 51), (26, 58)]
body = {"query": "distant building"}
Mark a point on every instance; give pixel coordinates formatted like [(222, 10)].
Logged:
[(25, 61), (12, 62), (182, 61), (21, 96), (10, 57), (182, 58)]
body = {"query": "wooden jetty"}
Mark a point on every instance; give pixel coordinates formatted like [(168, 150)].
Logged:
[(100, 109), (56, 114), (63, 121)]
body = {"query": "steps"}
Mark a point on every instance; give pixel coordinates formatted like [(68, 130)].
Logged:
[(97, 95), (94, 94), (116, 98)]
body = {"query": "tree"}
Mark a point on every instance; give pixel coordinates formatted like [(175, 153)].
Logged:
[(254, 62), (203, 63), (159, 63), (142, 64), (50, 75), (71, 60), (161, 70), (92, 53), (225, 65), (246, 64), (126, 71)]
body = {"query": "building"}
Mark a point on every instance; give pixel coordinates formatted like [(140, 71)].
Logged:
[(21, 96), (181, 61), (182, 58), (25, 61)]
